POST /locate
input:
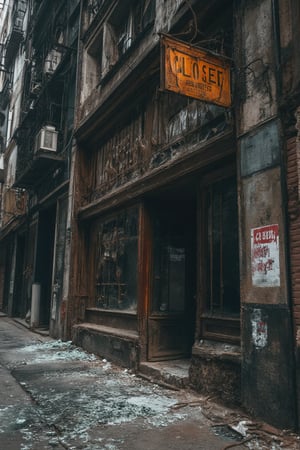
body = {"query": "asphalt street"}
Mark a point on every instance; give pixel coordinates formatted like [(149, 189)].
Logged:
[(56, 396)]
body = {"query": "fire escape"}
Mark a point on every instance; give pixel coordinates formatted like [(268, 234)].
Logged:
[(13, 201), (4, 99), (42, 136), (9, 48), (16, 34)]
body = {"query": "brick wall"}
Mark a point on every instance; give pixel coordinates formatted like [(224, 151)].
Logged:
[(293, 185)]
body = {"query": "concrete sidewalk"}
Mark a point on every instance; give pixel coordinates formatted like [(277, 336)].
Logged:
[(54, 395)]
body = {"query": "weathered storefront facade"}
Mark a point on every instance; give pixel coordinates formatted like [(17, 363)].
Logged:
[(180, 229), (156, 173), (166, 227)]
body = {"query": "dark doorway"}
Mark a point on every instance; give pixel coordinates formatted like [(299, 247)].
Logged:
[(19, 303), (171, 319), (44, 261), (8, 251)]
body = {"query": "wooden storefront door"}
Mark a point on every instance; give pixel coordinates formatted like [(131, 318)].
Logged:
[(171, 310)]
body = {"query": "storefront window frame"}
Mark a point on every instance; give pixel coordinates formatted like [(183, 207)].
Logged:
[(214, 325), (115, 283)]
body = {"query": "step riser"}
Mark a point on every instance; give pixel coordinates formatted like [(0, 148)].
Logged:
[(114, 348), (159, 375)]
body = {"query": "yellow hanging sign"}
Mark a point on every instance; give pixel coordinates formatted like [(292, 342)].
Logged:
[(189, 71)]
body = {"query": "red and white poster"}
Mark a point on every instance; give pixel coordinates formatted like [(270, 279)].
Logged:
[(265, 256)]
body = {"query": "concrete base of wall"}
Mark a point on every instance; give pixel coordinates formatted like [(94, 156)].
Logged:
[(268, 364), (119, 346), (216, 371)]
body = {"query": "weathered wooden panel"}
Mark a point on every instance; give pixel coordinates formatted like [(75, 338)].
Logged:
[(120, 158), (154, 136), (167, 338)]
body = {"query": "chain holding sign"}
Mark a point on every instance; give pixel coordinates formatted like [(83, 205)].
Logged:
[(265, 256)]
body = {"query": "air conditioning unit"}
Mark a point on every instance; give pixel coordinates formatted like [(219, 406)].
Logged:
[(46, 139)]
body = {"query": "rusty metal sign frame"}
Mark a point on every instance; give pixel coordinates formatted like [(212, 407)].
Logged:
[(194, 72)]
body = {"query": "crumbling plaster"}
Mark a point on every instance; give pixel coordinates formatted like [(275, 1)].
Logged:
[(257, 65)]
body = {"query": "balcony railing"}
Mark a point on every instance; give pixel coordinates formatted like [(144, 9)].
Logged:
[(14, 39), (14, 204)]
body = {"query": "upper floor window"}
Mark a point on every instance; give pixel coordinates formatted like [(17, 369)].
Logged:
[(123, 26)]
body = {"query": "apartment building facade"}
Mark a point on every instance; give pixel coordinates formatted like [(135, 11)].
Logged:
[(39, 54)]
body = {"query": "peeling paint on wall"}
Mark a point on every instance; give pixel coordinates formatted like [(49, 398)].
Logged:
[(259, 329), (165, 14)]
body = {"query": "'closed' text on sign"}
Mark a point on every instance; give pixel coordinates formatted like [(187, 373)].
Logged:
[(193, 72)]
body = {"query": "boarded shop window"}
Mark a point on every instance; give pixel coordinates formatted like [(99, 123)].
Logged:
[(116, 264), (220, 263)]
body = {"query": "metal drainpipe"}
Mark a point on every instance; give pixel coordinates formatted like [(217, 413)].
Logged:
[(276, 31)]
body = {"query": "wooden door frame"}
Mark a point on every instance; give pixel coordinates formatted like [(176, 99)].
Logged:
[(146, 291), (145, 260)]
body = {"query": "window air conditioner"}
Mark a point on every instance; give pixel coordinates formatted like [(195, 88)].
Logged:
[(46, 139)]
